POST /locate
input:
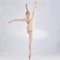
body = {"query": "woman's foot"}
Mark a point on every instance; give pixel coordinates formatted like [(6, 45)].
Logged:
[(30, 55)]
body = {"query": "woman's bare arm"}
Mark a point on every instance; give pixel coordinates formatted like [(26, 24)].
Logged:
[(27, 7), (17, 20), (34, 10)]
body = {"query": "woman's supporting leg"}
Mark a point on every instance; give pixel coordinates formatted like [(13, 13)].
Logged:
[(30, 43)]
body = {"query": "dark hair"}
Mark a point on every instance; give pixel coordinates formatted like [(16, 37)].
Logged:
[(27, 12)]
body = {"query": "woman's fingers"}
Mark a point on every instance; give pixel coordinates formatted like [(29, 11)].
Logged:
[(10, 22)]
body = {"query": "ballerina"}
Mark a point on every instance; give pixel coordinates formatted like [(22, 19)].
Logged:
[(28, 20)]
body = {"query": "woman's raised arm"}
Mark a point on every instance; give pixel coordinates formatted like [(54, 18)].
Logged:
[(17, 20)]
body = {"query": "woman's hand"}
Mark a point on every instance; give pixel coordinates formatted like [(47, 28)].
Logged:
[(10, 21)]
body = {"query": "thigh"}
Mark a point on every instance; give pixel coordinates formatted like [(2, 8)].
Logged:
[(30, 36)]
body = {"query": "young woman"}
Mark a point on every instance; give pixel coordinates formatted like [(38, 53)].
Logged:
[(28, 20)]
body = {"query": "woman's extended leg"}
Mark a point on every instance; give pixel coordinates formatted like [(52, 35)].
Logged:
[(30, 43)]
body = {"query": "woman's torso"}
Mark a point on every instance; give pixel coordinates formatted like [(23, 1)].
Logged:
[(29, 24)]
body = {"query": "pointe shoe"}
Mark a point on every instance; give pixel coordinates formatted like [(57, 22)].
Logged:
[(35, 4), (30, 56)]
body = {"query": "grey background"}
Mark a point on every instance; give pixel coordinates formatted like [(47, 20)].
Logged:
[(46, 36)]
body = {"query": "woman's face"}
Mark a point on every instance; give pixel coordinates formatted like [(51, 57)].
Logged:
[(27, 14)]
